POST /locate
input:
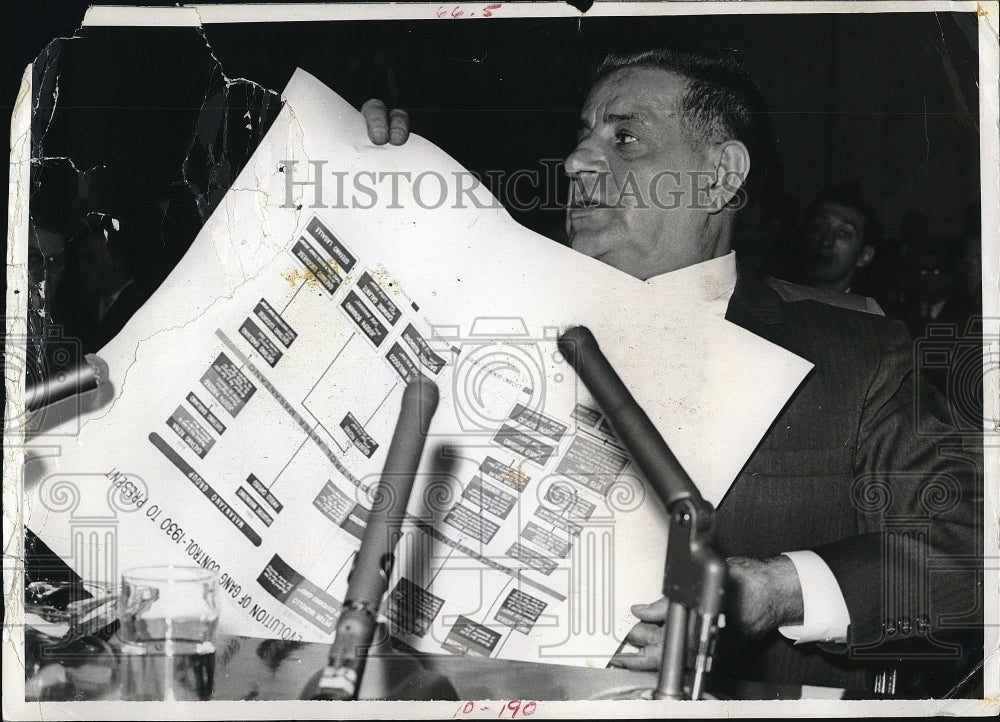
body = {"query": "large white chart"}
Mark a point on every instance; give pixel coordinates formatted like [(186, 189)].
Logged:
[(255, 395)]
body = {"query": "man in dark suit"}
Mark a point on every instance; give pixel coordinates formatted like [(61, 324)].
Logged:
[(873, 483), (838, 528)]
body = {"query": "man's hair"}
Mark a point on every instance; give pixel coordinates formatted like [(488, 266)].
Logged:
[(722, 101), (848, 193)]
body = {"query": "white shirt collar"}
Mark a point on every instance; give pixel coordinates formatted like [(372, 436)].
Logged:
[(709, 282)]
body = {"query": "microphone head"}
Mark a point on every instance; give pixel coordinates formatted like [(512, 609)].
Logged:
[(420, 401), (99, 367), (572, 340)]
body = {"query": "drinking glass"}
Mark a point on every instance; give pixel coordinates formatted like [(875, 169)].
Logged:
[(168, 618)]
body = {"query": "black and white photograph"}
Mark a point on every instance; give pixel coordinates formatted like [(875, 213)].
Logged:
[(502, 360)]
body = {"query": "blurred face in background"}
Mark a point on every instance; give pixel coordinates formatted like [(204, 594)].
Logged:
[(833, 246)]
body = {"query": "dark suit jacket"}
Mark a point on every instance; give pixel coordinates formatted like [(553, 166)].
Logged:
[(859, 470)]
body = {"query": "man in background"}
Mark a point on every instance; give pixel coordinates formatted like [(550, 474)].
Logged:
[(838, 237)]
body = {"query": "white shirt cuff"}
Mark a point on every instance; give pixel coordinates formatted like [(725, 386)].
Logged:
[(824, 611)]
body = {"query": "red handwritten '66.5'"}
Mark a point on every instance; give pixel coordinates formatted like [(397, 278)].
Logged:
[(456, 11)]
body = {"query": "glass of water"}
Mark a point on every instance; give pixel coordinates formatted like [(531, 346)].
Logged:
[(168, 618)]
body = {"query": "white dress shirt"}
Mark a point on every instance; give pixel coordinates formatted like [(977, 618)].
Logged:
[(825, 616)]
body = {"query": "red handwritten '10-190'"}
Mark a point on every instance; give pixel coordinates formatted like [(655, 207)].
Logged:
[(514, 707)]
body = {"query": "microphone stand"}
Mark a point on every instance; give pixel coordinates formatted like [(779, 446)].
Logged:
[(369, 577), (694, 576)]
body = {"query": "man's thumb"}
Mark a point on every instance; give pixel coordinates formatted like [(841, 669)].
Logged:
[(655, 612)]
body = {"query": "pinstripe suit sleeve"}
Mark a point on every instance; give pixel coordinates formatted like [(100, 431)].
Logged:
[(917, 495)]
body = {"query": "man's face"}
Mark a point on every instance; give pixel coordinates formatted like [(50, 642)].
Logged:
[(635, 176), (834, 243)]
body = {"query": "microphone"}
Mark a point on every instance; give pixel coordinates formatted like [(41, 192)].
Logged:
[(80, 379), (373, 563), (631, 424), (695, 575)]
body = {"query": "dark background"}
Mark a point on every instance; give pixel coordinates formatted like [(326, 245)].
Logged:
[(154, 134), (889, 99)]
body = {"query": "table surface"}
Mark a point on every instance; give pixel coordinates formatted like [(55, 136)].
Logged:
[(248, 668)]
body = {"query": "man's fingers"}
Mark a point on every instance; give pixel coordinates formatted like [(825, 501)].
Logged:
[(399, 126), (384, 125), (644, 658), (377, 119), (648, 638), (655, 612), (644, 635), (636, 662)]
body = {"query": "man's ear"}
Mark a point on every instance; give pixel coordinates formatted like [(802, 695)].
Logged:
[(732, 169), (867, 254)]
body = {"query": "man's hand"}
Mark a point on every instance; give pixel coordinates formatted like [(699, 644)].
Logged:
[(647, 635), (762, 595), (385, 125)]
